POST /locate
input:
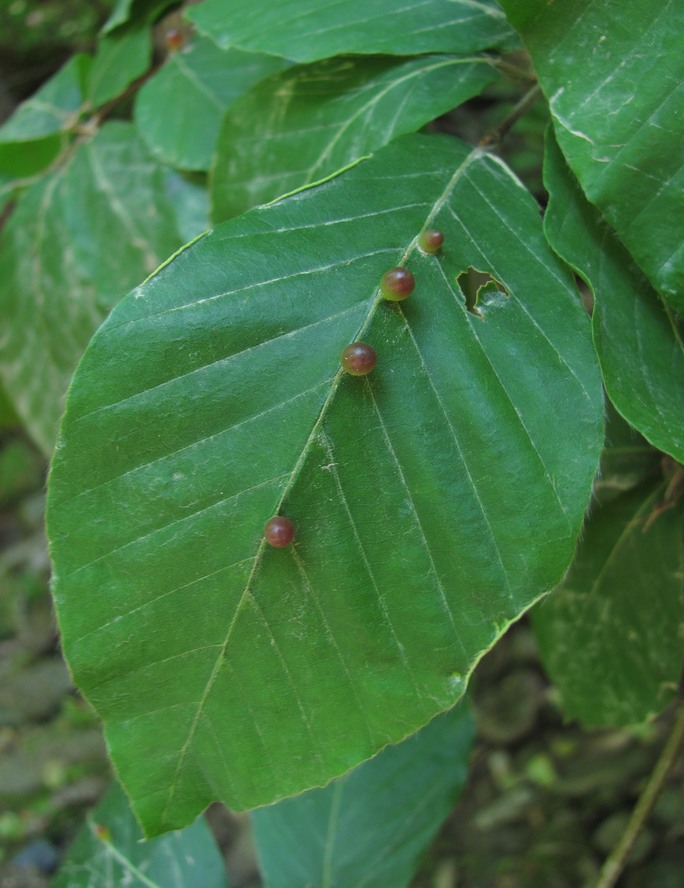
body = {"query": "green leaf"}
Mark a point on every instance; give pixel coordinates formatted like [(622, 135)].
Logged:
[(76, 242), (55, 108), (120, 59), (134, 11), (178, 112), (434, 500), (189, 199), (308, 30), (109, 851), (614, 76), (638, 339), (610, 635), (33, 136), (312, 120), (370, 827)]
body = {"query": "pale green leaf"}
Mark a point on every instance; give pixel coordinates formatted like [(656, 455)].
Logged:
[(178, 112), (76, 242), (307, 30), (638, 338), (120, 59), (109, 853), (312, 120), (434, 501), (369, 828), (611, 635), (614, 77), (55, 108)]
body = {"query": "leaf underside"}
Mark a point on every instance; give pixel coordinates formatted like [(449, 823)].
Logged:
[(433, 501)]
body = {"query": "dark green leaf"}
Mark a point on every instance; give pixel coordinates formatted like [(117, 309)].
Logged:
[(109, 852), (638, 338), (368, 828), (308, 122), (135, 12), (120, 59), (75, 243), (433, 501), (307, 30), (178, 112), (626, 461), (611, 635), (614, 76)]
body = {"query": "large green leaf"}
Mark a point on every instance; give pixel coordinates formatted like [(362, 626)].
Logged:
[(638, 338), (178, 112), (76, 242), (434, 501), (614, 76), (610, 635), (307, 30), (108, 852), (368, 828), (310, 121)]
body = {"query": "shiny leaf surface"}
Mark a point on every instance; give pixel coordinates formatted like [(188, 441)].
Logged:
[(433, 500), (312, 120), (307, 30), (614, 77), (639, 340), (76, 242)]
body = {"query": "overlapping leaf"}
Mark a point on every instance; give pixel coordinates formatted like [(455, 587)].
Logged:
[(308, 30), (178, 112), (434, 500), (639, 340), (121, 58), (76, 242), (109, 853), (369, 828), (31, 138), (312, 120), (618, 613), (614, 76)]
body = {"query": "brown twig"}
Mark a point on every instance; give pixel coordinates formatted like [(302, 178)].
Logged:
[(615, 862), (494, 136)]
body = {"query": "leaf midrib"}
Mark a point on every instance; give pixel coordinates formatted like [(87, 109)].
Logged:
[(474, 155)]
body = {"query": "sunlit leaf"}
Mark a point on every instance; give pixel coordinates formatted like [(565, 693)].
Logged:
[(433, 500), (307, 30), (639, 340), (312, 120), (76, 242), (614, 77)]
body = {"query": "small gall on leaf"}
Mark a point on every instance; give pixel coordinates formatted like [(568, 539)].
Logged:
[(279, 531), (396, 284), (431, 241), (174, 39), (358, 358)]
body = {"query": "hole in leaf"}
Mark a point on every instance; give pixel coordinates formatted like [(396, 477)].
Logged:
[(479, 288)]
